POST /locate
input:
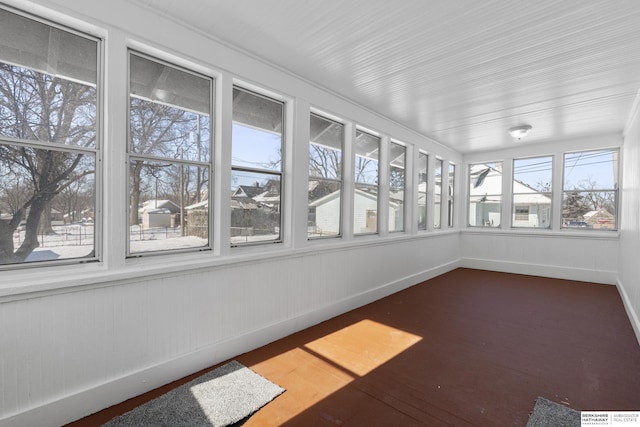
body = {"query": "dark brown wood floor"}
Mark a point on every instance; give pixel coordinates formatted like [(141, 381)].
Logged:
[(469, 347)]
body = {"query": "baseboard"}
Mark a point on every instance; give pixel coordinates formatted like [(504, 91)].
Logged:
[(85, 402), (631, 313), (555, 272)]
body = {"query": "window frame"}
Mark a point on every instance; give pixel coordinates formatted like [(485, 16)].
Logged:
[(173, 161), (280, 173), (419, 181), (437, 197), (339, 180), (498, 165), (357, 184), (615, 152), (451, 193), (548, 194), (404, 186), (96, 151)]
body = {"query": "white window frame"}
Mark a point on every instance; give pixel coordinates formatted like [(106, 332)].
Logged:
[(181, 162)]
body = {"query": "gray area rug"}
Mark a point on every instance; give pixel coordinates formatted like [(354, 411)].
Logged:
[(228, 395), (550, 414)]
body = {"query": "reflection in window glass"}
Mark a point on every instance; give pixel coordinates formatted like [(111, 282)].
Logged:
[(423, 167), (397, 175), (365, 204), (437, 194), (325, 178), (48, 142), (590, 190), (532, 196), (169, 157), (257, 142), (485, 194)]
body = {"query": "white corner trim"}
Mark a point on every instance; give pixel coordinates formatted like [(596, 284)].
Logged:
[(635, 110), (633, 316)]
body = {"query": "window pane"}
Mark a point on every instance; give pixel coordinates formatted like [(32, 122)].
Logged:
[(365, 203), (48, 99), (172, 213), (591, 170), (437, 196), (484, 211), (324, 208), (165, 84), (579, 209), (257, 131), (532, 185), (325, 148), (40, 47), (325, 161), (485, 194), (47, 205), (452, 177), (422, 190), (589, 200), (397, 157), (365, 210), (532, 210), (170, 118), (255, 207), (367, 150)]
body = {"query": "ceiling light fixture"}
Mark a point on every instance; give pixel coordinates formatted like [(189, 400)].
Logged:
[(519, 132)]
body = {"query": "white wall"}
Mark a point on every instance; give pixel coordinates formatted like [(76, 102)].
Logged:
[(629, 263)]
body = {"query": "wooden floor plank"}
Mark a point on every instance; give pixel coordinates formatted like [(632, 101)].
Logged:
[(469, 347)]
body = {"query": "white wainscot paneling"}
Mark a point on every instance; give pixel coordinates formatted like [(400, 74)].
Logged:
[(559, 255), (67, 355)]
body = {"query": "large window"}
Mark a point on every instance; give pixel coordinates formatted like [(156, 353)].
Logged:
[(423, 168), (485, 194), (325, 178), (437, 194), (590, 190), (49, 142), (365, 204), (169, 157), (451, 194), (256, 171), (397, 176), (532, 192)]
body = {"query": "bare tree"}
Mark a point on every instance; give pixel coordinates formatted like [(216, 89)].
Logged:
[(48, 109), (157, 130)]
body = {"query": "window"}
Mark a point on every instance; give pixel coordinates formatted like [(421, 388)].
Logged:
[(169, 157), (437, 194), (532, 196), (423, 167), (451, 193), (365, 204), (256, 168), (397, 159), (590, 190), (49, 142), (485, 194), (325, 177)]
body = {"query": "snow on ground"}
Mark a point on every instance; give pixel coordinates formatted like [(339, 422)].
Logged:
[(76, 241)]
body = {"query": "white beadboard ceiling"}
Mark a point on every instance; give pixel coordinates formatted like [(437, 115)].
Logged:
[(458, 71)]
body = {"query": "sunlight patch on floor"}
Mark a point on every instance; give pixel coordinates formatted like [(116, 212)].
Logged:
[(362, 347)]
